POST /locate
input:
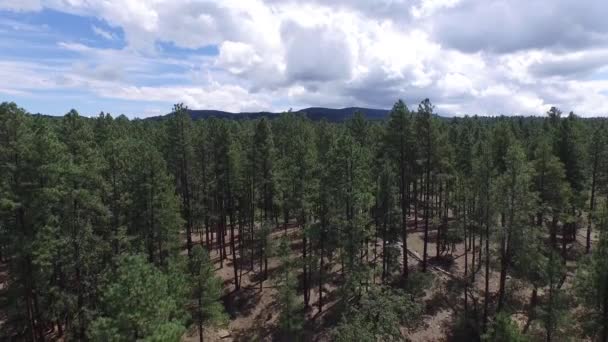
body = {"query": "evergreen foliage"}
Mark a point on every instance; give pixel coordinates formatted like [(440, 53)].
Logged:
[(113, 229)]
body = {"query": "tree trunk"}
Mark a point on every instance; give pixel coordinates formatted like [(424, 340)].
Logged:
[(439, 226), (466, 257), (426, 215), (321, 247), (416, 203), (404, 204), (305, 267), (233, 248), (200, 313), (531, 309), (605, 316), (241, 245), (591, 208), (487, 280)]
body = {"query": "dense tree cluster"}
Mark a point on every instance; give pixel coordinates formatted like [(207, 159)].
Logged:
[(107, 224)]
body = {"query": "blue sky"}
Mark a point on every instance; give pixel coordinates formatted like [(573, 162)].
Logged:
[(138, 57), (54, 44)]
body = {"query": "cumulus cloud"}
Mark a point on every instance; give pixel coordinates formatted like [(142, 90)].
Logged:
[(237, 57), (316, 53), (229, 98), (467, 56), (510, 25), (571, 64)]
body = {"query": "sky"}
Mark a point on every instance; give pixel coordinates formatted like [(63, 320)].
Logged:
[(139, 57)]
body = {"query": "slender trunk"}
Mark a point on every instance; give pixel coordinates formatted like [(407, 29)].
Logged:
[(233, 248), (408, 195), (565, 228), (220, 233), (321, 265), (466, 257), (404, 204), (605, 315), (265, 264), (241, 246), (487, 280), (440, 222), (30, 315), (531, 309), (502, 283), (252, 221), (591, 207), (549, 322), (114, 203), (426, 215), (305, 267), (506, 249), (20, 218), (262, 276), (473, 269), (200, 313), (480, 250), (375, 244), (223, 225), (416, 203), (384, 256), (185, 191)]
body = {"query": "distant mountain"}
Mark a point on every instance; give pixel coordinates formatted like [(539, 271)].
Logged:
[(313, 113)]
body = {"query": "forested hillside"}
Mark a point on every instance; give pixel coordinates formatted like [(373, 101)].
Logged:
[(413, 227), (313, 113)]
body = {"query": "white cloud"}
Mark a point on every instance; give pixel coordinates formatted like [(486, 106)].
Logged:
[(467, 56), (102, 33), (316, 53), (237, 57), (20, 5), (215, 96), (426, 8)]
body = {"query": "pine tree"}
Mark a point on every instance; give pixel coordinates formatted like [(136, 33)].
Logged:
[(322, 203), (179, 155), (155, 220), (378, 316), (503, 329), (551, 186), (82, 224), (484, 188), (388, 217), (598, 153), (570, 150), (138, 303), (399, 140), (264, 249), (427, 141), (30, 156), (353, 191), (592, 285), (553, 311), (517, 203), (291, 318), (263, 159), (207, 289)]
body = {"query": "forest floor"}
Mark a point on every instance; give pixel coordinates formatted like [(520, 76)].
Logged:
[(253, 310), (3, 284)]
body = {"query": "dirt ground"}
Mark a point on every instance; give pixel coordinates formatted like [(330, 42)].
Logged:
[(254, 313), (253, 310)]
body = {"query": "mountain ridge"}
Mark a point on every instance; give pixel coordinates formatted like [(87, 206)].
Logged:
[(313, 113)]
